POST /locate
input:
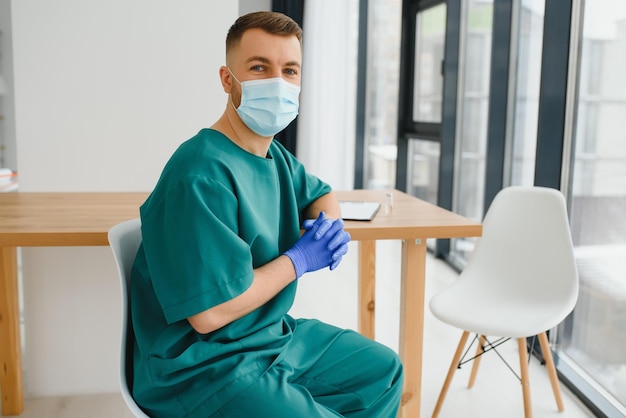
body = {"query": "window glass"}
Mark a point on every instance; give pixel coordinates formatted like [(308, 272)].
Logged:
[(472, 116), (423, 169), (429, 48), (423, 155), (383, 77), (595, 336), (527, 83)]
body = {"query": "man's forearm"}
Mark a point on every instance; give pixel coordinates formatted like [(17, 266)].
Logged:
[(268, 281)]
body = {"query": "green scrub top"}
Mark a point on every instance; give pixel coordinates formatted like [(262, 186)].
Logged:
[(216, 213)]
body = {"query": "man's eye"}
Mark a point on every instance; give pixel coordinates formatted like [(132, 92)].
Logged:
[(258, 68), (291, 71)]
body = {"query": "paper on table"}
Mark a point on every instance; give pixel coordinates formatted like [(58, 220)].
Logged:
[(358, 211)]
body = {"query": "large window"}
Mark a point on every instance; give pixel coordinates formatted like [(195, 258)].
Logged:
[(430, 32), (595, 337), (423, 153), (381, 119), (526, 101), (475, 118), (517, 110), (472, 117)]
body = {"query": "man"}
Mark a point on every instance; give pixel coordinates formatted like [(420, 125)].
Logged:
[(217, 270)]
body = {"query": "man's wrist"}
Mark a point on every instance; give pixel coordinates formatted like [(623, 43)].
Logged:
[(296, 257)]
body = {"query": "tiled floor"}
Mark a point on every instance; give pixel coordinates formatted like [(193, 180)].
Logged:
[(332, 297)]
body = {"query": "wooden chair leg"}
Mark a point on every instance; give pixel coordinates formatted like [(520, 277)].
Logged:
[(523, 362), (479, 350), (453, 366), (554, 379)]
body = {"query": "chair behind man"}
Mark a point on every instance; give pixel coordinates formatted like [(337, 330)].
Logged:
[(124, 239), (520, 281)]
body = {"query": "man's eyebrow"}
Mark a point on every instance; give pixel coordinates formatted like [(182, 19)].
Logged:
[(266, 61), (258, 58), (293, 64)]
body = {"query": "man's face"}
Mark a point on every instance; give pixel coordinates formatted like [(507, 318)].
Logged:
[(260, 55)]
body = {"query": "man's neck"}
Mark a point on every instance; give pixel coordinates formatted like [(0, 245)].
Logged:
[(234, 129)]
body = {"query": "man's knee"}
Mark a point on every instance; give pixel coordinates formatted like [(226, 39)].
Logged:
[(395, 367), (385, 363)]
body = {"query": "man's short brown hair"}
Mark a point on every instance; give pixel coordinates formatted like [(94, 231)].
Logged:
[(271, 22)]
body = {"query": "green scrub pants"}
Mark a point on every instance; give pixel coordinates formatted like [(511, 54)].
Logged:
[(325, 372)]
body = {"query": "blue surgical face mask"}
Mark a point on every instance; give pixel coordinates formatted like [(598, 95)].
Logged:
[(267, 105)]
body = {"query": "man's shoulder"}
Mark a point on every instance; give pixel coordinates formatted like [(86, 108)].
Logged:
[(204, 138)]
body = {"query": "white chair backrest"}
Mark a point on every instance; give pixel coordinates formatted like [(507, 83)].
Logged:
[(526, 248), (124, 239)]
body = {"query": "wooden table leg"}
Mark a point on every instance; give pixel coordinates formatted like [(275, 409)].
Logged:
[(367, 288), (413, 278), (11, 387)]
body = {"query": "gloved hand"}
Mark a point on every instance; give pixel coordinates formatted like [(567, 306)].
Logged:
[(323, 244), (323, 226)]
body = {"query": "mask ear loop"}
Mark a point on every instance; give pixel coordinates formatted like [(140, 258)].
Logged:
[(230, 94), (233, 75)]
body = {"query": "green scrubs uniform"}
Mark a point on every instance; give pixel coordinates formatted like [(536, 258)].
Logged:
[(217, 213)]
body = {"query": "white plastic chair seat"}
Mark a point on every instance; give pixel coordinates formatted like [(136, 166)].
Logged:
[(492, 312)]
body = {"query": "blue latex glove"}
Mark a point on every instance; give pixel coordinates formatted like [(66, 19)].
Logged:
[(322, 223), (314, 250), (339, 243)]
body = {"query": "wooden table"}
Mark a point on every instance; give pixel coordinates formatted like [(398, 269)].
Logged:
[(83, 219)]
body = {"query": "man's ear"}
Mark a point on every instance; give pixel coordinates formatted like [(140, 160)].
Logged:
[(226, 78)]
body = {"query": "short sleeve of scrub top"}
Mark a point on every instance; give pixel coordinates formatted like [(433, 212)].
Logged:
[(196, 258)]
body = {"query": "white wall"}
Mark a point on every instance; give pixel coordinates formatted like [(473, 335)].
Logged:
[(247, 6), (104, 93)]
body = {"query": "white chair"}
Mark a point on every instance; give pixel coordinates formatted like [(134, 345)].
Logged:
[(520, 281), (124, 239)]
